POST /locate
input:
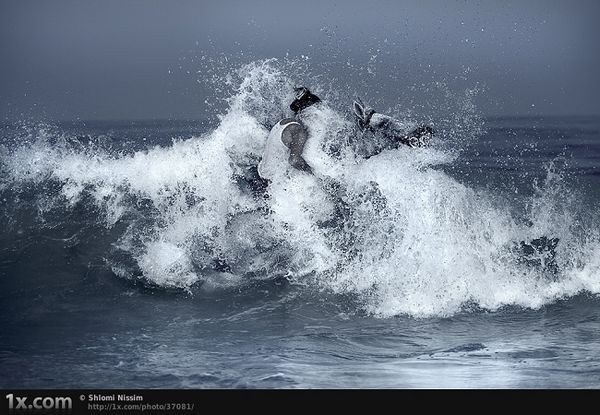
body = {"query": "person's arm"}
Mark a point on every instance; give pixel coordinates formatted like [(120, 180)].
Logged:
[(294, 136)]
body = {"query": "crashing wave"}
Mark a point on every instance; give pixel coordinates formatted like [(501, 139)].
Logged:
[(394, 230)]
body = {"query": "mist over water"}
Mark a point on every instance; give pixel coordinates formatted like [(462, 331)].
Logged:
[(136, 59)]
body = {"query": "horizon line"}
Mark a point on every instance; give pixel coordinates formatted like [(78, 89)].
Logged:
[(204, 119)]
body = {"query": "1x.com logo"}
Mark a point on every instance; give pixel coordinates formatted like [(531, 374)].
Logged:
[(47, 403)]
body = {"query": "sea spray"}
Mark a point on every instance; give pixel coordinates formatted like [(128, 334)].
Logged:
[(395, 231)]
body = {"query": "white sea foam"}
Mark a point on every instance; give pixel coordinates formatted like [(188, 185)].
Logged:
[(412, 240)]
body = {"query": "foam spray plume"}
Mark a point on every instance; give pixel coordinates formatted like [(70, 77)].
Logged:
[(394, 231)]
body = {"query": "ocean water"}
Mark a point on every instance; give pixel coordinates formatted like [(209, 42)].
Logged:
[(147, 254)]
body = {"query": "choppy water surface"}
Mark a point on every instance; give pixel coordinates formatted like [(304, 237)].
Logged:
[(142, 254)]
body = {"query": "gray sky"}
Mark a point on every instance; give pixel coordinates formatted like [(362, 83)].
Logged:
[(127, 59)]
